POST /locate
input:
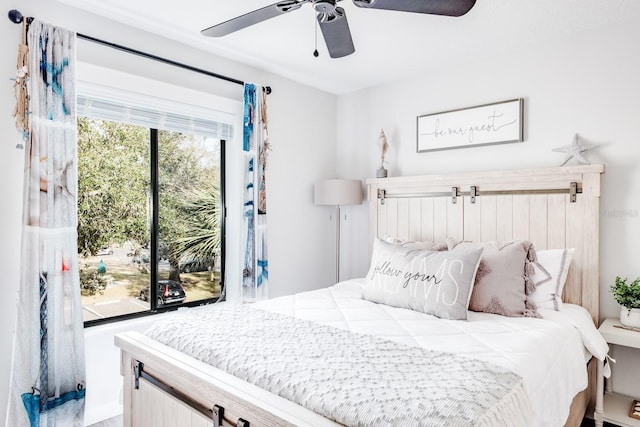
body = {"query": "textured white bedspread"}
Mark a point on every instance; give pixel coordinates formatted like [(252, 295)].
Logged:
[(354, 379), (549, 354)]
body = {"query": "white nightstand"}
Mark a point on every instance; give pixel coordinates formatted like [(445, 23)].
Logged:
[(610, 406)]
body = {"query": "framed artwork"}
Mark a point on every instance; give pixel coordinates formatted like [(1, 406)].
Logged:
[(497, 123)]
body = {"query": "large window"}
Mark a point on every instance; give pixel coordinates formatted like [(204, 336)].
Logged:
[(150, 223)]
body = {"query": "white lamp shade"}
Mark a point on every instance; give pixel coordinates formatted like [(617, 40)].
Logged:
[(338, 192)]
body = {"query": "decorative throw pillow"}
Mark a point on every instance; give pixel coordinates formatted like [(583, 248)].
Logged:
[(502, 284), (551, 270), (430, 246), (433, 282)]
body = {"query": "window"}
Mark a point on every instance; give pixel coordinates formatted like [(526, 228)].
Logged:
[(150, 207)]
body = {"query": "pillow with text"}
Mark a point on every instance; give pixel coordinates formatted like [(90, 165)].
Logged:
[(433, 282)]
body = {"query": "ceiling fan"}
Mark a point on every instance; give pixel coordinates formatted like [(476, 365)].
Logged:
[(333, 21)]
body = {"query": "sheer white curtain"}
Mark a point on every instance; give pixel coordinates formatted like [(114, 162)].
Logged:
[(48, 372)]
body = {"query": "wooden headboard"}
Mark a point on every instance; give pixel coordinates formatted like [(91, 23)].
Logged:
[(554, 208)]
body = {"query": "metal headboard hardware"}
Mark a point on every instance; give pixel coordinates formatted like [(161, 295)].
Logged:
[(454, 193), (474, 192)]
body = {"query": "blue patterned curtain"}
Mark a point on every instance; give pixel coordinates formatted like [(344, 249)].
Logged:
[(48, 372), (255, 146)]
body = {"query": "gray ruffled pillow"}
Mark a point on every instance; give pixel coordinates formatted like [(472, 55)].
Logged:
[(503, 282), (413, 244)]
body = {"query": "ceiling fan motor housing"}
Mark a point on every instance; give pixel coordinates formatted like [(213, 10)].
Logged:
[(324, 6)]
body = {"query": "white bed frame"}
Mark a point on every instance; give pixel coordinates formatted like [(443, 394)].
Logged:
[(554, 208)]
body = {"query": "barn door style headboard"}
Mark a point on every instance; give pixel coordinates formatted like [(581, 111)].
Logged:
[(554, 208)]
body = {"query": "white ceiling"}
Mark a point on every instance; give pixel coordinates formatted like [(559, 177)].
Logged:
[(389, 45)]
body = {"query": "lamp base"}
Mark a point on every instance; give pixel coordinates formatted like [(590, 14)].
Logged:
[(381, 173)]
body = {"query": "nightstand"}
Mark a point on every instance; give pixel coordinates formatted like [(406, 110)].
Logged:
[(613, 407)]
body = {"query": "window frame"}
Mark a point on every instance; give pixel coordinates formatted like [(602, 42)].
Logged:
[(154, 240)]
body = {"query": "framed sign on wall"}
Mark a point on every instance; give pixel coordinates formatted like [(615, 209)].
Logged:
[(497, 123)]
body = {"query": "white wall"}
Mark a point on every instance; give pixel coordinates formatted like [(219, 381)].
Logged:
[(11, 170), (586, 85), (302, 132)]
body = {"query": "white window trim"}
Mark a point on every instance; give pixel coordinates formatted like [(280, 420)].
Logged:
[(122, 97)]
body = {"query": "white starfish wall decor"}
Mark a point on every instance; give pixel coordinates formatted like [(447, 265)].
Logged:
[(575, 149)]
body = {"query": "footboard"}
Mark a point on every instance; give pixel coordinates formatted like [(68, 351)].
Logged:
[(158, 405), (163, 387)]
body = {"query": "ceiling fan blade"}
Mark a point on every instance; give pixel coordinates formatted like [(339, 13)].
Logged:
[(434, 7), (336, 33), (253, 17)]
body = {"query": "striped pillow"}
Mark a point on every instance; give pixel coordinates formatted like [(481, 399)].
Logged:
[(551, 271)]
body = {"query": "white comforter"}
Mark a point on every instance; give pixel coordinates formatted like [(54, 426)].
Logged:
[(549, 353)]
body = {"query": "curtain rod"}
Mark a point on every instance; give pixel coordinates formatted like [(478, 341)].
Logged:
[(16, 17)]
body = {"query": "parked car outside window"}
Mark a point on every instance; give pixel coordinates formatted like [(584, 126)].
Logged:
[(141, 259), (105, 250), (169, 292)]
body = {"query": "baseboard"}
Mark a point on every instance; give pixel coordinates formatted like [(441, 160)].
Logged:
[(101, 413)]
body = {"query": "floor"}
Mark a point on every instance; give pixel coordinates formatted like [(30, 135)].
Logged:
[(587, 422), (111, 422)]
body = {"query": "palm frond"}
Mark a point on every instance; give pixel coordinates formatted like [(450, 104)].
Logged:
[(201, 215)]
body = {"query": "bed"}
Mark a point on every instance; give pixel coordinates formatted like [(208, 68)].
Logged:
[(554, 208)]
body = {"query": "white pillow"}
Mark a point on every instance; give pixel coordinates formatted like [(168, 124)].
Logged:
[(433, 282), (551, 270)]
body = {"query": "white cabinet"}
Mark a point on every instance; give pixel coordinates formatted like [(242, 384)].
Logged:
[(613, 407)]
